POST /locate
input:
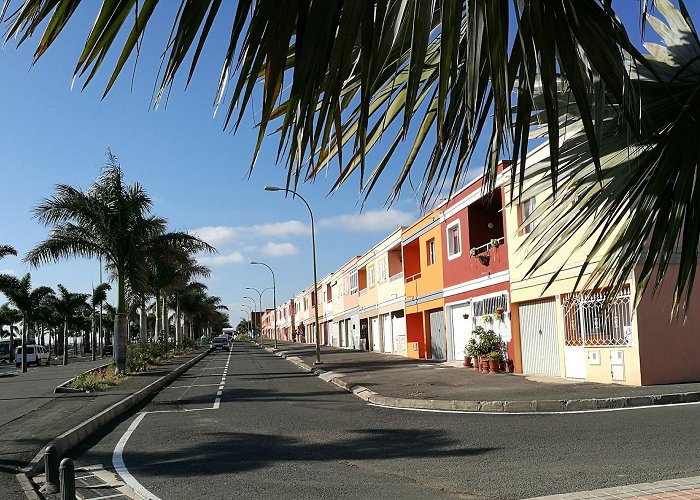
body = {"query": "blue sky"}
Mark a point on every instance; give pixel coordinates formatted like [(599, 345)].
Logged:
[(195, 171)]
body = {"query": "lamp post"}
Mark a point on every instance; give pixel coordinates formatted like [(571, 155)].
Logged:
[(274, 295), (251, 315), (252, 318), (260, 294), (313, 255)]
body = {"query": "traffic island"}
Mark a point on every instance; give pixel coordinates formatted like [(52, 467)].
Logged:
[(106, 409)]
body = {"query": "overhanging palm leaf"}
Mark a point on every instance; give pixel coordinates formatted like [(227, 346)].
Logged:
[(645, 203), (455, 65)]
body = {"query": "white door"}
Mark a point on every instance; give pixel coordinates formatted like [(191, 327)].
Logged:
[(387, 336), (538, 333), (376, 336), (575, 362), (398, 327), (461, 328)]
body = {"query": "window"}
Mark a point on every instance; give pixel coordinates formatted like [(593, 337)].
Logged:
[(370, 276), (430, 251), (353, 282), (588, 321), (526, 209), (454, 240), (382, 271)]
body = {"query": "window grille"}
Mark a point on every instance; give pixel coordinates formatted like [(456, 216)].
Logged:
[(588, 323), (489, 304)]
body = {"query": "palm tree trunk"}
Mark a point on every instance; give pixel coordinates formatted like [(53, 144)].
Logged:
[(25, 329), (92, 335), (120, 324), (65, 341), (143, 323), (166, 329), (157, 328), (11, 354), (178, 330)]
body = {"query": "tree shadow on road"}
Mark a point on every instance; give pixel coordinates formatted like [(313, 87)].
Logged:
[(232, 452)]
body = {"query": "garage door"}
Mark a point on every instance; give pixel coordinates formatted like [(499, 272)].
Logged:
[(538, 334)]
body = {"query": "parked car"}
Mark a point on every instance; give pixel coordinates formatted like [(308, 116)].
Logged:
[(220, 342), (108, 350), (36, 354)]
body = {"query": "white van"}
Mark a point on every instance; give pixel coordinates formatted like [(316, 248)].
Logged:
[(35, 354)]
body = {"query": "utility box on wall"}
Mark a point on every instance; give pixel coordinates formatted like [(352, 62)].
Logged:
[(413, 350), (617, 365)]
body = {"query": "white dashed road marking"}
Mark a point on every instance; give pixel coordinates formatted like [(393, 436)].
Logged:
[(118, 455)]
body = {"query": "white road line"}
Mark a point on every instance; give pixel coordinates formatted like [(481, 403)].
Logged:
[(120, 468), (118, 455), (189, 386), (521, 413)]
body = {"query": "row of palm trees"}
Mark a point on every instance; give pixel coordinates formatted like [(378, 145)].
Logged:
[(112, 221)]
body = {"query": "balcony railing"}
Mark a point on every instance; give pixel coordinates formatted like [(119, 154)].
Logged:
[(488, 246), (396, 276), (413, 277)]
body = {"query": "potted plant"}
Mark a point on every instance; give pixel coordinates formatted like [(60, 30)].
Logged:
[(498, 314), (488, 343), (495, 361), (495, 243), (487, 318), (470, 352)]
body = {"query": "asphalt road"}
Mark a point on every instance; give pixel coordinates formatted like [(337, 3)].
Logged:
[(281, 433), (25, 424)]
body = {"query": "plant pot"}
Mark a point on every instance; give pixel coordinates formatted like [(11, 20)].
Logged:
[(476, 363), (468, 361), (495, 366), (484, 365)]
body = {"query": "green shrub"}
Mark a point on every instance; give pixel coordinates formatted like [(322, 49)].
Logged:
[(188, 343), (96, 380), (242, 336)]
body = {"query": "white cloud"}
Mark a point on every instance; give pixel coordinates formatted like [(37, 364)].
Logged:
[(216, 235), (277, 229), (219, 260), (279, 249), (370, 221), (222, 235)]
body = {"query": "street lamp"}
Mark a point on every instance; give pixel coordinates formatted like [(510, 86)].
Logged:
[(260, 294), (252, 318), (251, 315), (274, 295), (313, 255)]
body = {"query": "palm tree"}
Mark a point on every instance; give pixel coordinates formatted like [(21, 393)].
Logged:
[(9, 316), (68, 305), (47, 316), (643, 195), (441, 75), (6, 250), (99, 295), (20, 294), (110, 220)]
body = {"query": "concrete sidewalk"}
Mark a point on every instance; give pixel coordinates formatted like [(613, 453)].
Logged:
[(50, 415), (396, 381)]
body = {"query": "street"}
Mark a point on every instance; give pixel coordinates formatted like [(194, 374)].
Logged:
[(282, 433)]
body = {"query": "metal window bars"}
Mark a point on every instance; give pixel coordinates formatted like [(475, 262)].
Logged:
[(587, 322)]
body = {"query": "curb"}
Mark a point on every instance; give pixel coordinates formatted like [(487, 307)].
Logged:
[(61, 388), (71, 438), (534, 406)]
